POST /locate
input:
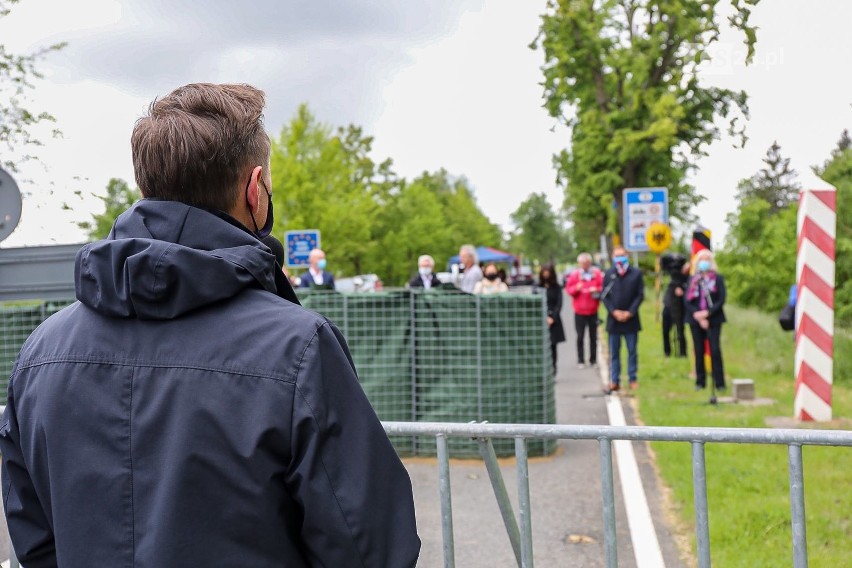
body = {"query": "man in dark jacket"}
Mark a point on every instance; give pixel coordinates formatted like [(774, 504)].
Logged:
[(425, 277), (317, 276), (186, 411), (622, 294)]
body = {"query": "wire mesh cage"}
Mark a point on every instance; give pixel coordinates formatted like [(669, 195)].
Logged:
[(17, 321), (444, 356)]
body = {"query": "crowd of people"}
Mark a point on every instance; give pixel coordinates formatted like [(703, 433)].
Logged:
[(694, 298)]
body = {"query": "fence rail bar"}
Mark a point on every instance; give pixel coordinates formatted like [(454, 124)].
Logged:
[(634, 433), (524, 506), (489, 456), (797, 507), (608, 493), (699, 490)]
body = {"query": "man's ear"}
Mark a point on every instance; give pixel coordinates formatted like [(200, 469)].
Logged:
[(255, 189)]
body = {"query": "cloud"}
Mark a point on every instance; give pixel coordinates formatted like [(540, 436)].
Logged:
[(336, 55)]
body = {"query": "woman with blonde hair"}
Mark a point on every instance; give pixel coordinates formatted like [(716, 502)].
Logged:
[(704, 301)]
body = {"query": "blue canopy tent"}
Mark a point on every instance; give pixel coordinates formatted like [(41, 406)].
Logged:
[(488, 254)]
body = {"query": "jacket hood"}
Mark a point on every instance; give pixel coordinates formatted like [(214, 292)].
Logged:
[(163, 259)]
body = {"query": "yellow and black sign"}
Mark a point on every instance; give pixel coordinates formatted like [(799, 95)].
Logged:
[(659, 237)]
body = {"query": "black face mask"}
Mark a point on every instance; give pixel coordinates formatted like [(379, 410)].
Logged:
[(264, 231), (491, 276)]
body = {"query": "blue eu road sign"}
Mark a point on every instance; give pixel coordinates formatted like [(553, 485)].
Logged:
[(642, 207), (299, 245)]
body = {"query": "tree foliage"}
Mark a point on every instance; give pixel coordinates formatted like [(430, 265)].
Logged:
[(838, 172), (325, 180), (623, 75), (540, 234), (776, 183), (759, 256), (18, 120), (370, 219), (760, 251), (119, 197)]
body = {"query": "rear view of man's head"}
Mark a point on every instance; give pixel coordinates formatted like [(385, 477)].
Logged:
[(201, 145)]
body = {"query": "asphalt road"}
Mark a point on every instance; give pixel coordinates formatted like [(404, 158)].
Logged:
[(565, 492)]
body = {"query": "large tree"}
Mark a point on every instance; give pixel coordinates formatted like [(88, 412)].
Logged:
[(18, 121), (624, 76), (775, 183)]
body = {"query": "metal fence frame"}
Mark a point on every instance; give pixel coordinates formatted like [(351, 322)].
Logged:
[(520, 533), (520, 536)]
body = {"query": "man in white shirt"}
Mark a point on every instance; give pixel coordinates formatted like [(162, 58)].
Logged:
[(317, 275), (472, 272)]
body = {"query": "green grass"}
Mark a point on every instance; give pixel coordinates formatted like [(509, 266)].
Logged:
[(748, 484)]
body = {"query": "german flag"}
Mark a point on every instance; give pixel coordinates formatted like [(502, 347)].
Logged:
[(700, 241)]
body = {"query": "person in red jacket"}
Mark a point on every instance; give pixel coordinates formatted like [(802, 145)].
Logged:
[(584, 285)]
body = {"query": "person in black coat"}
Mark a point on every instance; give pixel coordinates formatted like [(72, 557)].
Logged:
[(704, 302), (425, 277), (622, 294), (553, 291), (673, 311)]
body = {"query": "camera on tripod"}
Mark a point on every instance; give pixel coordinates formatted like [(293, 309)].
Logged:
[(672, 263)]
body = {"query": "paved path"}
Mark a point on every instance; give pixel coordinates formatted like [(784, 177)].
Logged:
[(565, 491)]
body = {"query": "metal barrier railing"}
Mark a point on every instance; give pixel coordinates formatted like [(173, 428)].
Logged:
[(520, 536)]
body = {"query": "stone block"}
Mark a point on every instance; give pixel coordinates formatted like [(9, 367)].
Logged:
[(742, 389)]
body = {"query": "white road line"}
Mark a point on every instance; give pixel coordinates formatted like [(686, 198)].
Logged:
[(646, 547)]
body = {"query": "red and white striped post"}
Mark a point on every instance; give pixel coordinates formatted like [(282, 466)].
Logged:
[(815, 302)]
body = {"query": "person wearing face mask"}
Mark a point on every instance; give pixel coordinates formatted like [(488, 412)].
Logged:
[(623, 292), (186, 410), (584, 285), (317, 276), (704, 302), (490, 283), (425, 277)]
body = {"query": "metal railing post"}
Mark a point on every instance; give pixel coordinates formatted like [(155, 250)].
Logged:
[(699, 488), (524, 505), (446, 501), (486, 449), (479, 400), (797, 506), (608, 492)]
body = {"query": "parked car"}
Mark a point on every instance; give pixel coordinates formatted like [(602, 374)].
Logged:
[(522, 276), (359, 283)]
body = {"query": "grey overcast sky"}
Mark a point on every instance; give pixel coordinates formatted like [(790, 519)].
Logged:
[(444, 83)]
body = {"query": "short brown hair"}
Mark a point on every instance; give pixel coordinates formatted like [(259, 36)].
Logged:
[(196, 143)]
